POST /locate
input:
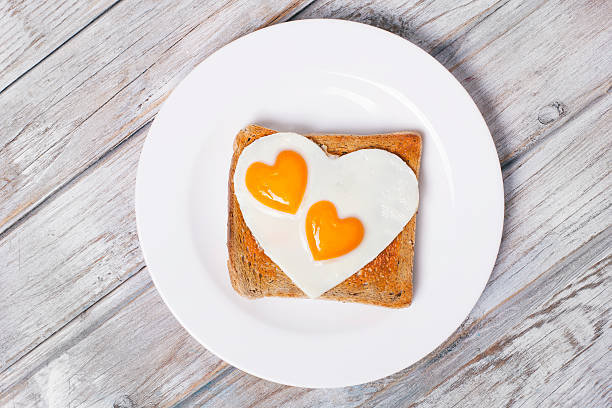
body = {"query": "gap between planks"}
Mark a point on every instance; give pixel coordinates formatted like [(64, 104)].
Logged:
[(56, 193), (288, 12), (58, 190), (504, 163), (83, 312), (25, 203), (59, 46), (475, 21), (467, 330), (538, 140), (118, 146)]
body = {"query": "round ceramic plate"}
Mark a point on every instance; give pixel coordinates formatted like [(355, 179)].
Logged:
[(325, 76)]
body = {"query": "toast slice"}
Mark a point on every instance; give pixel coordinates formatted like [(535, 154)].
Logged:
[(385, 281)]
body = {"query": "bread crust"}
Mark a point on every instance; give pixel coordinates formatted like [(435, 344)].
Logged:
[(385, 281)]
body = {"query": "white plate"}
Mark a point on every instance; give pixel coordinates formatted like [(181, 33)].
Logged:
[(318, 76)]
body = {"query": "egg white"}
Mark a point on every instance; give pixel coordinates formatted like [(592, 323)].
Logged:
[(371, 184)]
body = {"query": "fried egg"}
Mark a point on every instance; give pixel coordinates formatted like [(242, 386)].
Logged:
[(320, 217)]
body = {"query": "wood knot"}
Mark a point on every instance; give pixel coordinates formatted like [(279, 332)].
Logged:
[(123, 402), (550, 113)]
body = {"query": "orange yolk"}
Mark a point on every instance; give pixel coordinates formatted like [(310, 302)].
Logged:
[(280, 186), (329, 236)]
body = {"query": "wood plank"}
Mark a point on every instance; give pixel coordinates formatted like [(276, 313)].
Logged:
[(72, 252), (127, 350), (432, 25), (529, 66), (106, 83), (577, 390), (32, 29), (570, 218), (542, 211), (40, 141), (51, 259), (536, 361), (557, 231), (554, 337), (550, 339)]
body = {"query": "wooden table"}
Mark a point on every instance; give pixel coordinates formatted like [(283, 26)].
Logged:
[(81, 324)]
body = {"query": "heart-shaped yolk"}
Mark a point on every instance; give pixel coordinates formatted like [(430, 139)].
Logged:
[(329, 236), (280, 186)]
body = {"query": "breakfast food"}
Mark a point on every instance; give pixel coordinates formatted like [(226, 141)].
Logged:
[(328, 216)]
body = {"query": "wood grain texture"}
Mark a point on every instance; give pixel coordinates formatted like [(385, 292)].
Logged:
[(547, 341), (95, 362), (106, 83), (49, 259), (77, 248), (528, 65), (31, 29), (81, 324), (133, 76), (557, 294), (566, 230), (542, 345)]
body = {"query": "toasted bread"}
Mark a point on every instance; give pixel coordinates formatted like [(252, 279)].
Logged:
[(385, 281)]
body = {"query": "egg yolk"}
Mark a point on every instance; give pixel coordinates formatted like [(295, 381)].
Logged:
[(280, 186), (329, 236)]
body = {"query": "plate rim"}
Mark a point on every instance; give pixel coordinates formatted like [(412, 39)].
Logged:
[(139, 199)]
